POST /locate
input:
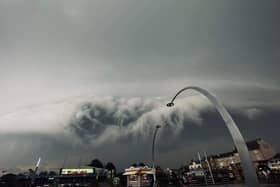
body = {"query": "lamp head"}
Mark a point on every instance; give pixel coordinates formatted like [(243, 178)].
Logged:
[(158, 126), (170, 104)]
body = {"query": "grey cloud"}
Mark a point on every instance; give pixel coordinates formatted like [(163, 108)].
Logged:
[(57, 49), (254, 113), (102, 120), (191, 40), (110, 119), (127, 146)]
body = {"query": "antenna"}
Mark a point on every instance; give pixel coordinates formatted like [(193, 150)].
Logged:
[(37, 165), (209, 167), (35, 172), (204, 174)]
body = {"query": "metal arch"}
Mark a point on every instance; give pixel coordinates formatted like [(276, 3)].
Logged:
[(246, 162)]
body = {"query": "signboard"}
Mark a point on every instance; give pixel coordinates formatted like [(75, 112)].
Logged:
[(81, 171), (116, 181)]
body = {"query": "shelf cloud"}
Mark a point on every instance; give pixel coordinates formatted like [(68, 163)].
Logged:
[(96, 75)]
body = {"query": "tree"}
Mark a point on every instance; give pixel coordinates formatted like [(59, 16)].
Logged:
[(52, 173), (110, 166), (96, 163), (31, 171), (9, 180), (141, 164), (111, 169), (134, 165), (43, 174)]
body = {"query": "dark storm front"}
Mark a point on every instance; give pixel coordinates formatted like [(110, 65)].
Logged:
[(86, 92), (252, 162)]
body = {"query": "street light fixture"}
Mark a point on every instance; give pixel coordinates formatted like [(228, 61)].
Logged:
[(153, 152), (246, 162), (170, 104)]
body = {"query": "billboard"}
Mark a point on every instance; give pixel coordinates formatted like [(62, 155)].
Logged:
[(81, 171)]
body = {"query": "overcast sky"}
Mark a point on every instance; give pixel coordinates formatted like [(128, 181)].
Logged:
[(60, 60)]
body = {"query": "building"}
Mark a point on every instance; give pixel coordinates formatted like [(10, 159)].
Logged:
[(260, 151), (77, 177), (274, 163), (196, 169), (141, 176)]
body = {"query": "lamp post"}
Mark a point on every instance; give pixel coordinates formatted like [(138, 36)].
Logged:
[(246, 163), (204, 173), (209, 168), (153, 152)]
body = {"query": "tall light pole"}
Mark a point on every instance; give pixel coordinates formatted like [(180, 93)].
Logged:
[(204, 173), (247, 165), (153, 152), (209, 168)]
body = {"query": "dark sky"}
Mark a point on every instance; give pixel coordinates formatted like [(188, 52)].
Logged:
[(94, 76)]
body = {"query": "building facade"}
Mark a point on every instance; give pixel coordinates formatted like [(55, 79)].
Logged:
[(141, 176), (260, 151)]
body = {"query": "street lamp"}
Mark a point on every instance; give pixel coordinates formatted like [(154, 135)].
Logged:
[(246, 162), (153, 152)]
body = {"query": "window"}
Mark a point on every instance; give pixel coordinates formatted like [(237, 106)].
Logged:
[(133, 177)]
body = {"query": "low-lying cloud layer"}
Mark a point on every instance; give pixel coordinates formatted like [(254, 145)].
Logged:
[(109, 119), (102, 126), (96, 119)]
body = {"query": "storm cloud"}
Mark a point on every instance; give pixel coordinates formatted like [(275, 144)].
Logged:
[(94, 76), (112, 128), (110, 119)]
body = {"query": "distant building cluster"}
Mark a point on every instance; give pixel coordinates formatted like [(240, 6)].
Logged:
[(262, 153), (223, 168)]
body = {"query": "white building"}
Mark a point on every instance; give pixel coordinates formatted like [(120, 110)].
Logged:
[(139, 176)]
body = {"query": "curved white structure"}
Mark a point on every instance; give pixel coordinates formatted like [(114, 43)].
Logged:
[(246, 163)]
